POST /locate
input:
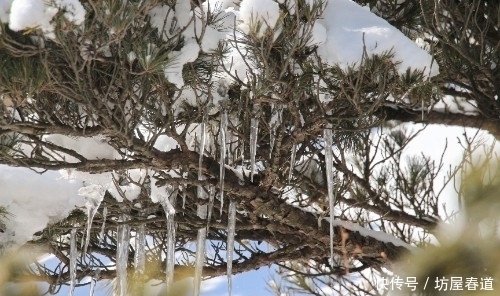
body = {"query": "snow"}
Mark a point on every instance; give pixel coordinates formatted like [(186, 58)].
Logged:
[(458, 105), (348, 24), (188, 23), (188, 53), (378, 235), (258, 12), (4, 10), (91, 148), (28, 14), (32, 210)]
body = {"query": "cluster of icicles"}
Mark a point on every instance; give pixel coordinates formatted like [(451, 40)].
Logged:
[(203, 211)]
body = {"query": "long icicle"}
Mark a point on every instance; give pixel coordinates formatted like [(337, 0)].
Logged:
[(123, 241), (222, 161), (202, 213), (93, 281), (329, 179), (103, 227), (211, 199), (170, 215), (292, 163), (275, 121), (231, 231), (93, 195), (254, 132), (140, 250), (72, 261)]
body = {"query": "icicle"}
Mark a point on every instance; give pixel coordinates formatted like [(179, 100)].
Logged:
[(202, 213), (254, 131), (231, 231), (140, 250), (170, 215), (200, 259), (184, 199), (211, 198), (104, 216), (274, 123), (292, 163), (201, 192), (93, 195), (329, 180), (122, 240), (93, 281), (222, 161), (72, 261)]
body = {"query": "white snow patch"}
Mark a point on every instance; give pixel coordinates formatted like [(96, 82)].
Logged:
[(34, 200), (28, 14), (378, 235), (253, 12), (351, 28)]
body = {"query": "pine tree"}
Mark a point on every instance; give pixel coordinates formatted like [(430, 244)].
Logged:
[(169, 121)]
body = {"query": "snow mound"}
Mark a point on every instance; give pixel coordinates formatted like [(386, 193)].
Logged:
[(253, 12), (31, 14), (352, 28)]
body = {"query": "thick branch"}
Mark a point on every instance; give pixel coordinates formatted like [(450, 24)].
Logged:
[(435, 117)]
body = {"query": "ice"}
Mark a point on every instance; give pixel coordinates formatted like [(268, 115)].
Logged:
[(93, 195), (170, 215), (122, 248), (72, 261), (184, 194), (277, 112), (200, 259), (202, 213), (222, 161), (103, 227), (211, 199), (329, 181), (231, 231), (94, 280), (292, 163), (254, 131), (140, 250)]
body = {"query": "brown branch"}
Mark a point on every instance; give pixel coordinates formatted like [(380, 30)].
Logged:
[(444, 118)]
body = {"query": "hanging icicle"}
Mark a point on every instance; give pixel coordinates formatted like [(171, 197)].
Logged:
[(292, 163), (276, 115), (170, 215), (231, 231), (202, 213), (222, 161), (122, 248), (329, 180), (93, 195), (254, 131), (140, 250), (72, 261), (211, 200), (104, 217), (184, 199), (93, 281)]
